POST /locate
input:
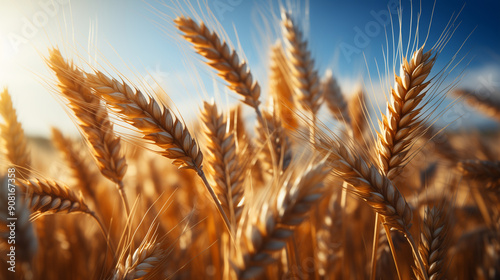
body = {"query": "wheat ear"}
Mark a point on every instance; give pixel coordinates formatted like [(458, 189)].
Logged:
[(402, 117), (357, 114), (12, 133), (225, 165), (481, 170), (277, 152), (141, 262), (223, 59), (373, 187), (280, 87), (47, 197), (434, 240), (334, 98), (270, 225), (93, 121), (157, 124), (79, 168), (304, 77), (484, 103)]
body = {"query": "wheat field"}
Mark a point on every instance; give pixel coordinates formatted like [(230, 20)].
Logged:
[(309, 185)]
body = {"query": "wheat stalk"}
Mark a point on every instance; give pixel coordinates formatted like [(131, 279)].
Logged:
[(334, 98), (269, 226), (220, 57), (93, 121), (14, 140), (434, 240), (280, 87), (356, 108), (402, 117), (304, 77), (225, 165), (486, 103), (140, 263), (157, 124)]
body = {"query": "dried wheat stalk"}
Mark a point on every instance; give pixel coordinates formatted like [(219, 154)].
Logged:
[(434, 240), (47, 197), (225, 165), (220, 57), (334, 98), (270, 225), (304, 77), (93, 120), (486, 103), (280, 87), (402, 117), (12, 133), (157, 124)]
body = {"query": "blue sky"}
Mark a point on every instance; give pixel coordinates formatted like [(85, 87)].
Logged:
[(140, 44)]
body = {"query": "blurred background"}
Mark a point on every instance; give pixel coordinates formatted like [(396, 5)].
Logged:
[(137, 40)]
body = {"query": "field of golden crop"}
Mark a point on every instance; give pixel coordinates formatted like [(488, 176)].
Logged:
[(283, 194)]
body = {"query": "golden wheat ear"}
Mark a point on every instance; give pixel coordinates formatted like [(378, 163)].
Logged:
[(226, 168), (49, 197), (269, 225), (79, 168), (14, 140), (486, 104), (92, 119), (402, 119), (224, 60), (157, 124), (334, 98), (304, 77), (280, 88), (434, 240)]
